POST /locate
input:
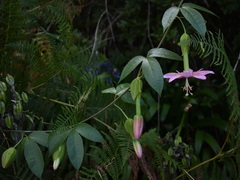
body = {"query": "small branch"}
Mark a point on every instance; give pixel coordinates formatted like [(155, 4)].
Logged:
[(236, 64), (148, 24)]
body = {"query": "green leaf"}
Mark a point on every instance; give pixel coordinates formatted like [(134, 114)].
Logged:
[(34, 157), (56, 139), (111, 90), (211, 142), (195, 19), (89, 132), (121, 88), (194, 6), (208, 138), (169, 16), (163, 53), (75, 149), (131, 65), (153, 74), (39, 137)]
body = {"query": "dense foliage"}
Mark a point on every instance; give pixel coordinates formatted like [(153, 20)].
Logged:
[(83, 93)]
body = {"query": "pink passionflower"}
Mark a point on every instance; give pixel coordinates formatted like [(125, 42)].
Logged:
[(137, 126), (200, 74)]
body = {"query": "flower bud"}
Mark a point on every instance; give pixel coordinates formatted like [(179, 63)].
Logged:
[(8, 157), (57, 156), (137, 148), (129, 126), (137, 126)]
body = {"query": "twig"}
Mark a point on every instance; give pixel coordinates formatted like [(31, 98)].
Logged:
[(96, 36), (148, 24), (236, 64)]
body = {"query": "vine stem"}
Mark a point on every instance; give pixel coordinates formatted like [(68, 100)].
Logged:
[(205, 162)]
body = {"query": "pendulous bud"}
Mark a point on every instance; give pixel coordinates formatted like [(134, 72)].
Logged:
[(57, 156), (137, 126), (137, 148)]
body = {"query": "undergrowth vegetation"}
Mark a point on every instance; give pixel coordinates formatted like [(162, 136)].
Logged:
[(117, 90)]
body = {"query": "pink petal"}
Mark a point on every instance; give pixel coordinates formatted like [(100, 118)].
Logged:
[(201, 74), (188, 73), (173, 76)]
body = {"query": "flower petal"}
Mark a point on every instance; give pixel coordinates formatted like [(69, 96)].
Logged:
[(172, 76), (201, 74)]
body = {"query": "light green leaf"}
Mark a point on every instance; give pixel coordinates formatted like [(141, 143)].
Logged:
[(39, 137), (163, 53), (34, 157), (195, 19), (56, 139), (169, 16), (111, 90), (152, 72), (121, 88), (75, 149), (130, 66), (89, 132), (191, 5)]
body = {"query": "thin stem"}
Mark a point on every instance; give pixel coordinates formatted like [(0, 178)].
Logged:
[(184, 29), (181, 124), (109, 127), (121, 111), (138, 105), (107, 106), (185, 61)]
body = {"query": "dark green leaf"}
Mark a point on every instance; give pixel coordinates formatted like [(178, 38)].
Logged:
[(190, 5), (56, 139), (169, 16), (39, 137), (89, 132), (75, 149), (195, 19), (163, 53), (130, 66), (34, 157), (153, 74), (198, 141)]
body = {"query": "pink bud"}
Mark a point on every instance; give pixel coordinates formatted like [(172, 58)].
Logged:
[(137, 126), (137, 148)]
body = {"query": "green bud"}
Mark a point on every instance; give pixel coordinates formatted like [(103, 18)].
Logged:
[(170, 151), (129, 126), (2, 107), (57, 156), (2, 96), (18, 107), (3, 86), (24, 97), (8, 157), (9, 121), (10, 80), (185, 41)]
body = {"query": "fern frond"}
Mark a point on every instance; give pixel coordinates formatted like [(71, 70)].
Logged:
[(110, 160), (215, 46)]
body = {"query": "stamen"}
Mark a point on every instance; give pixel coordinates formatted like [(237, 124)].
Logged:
[(187, 88)]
